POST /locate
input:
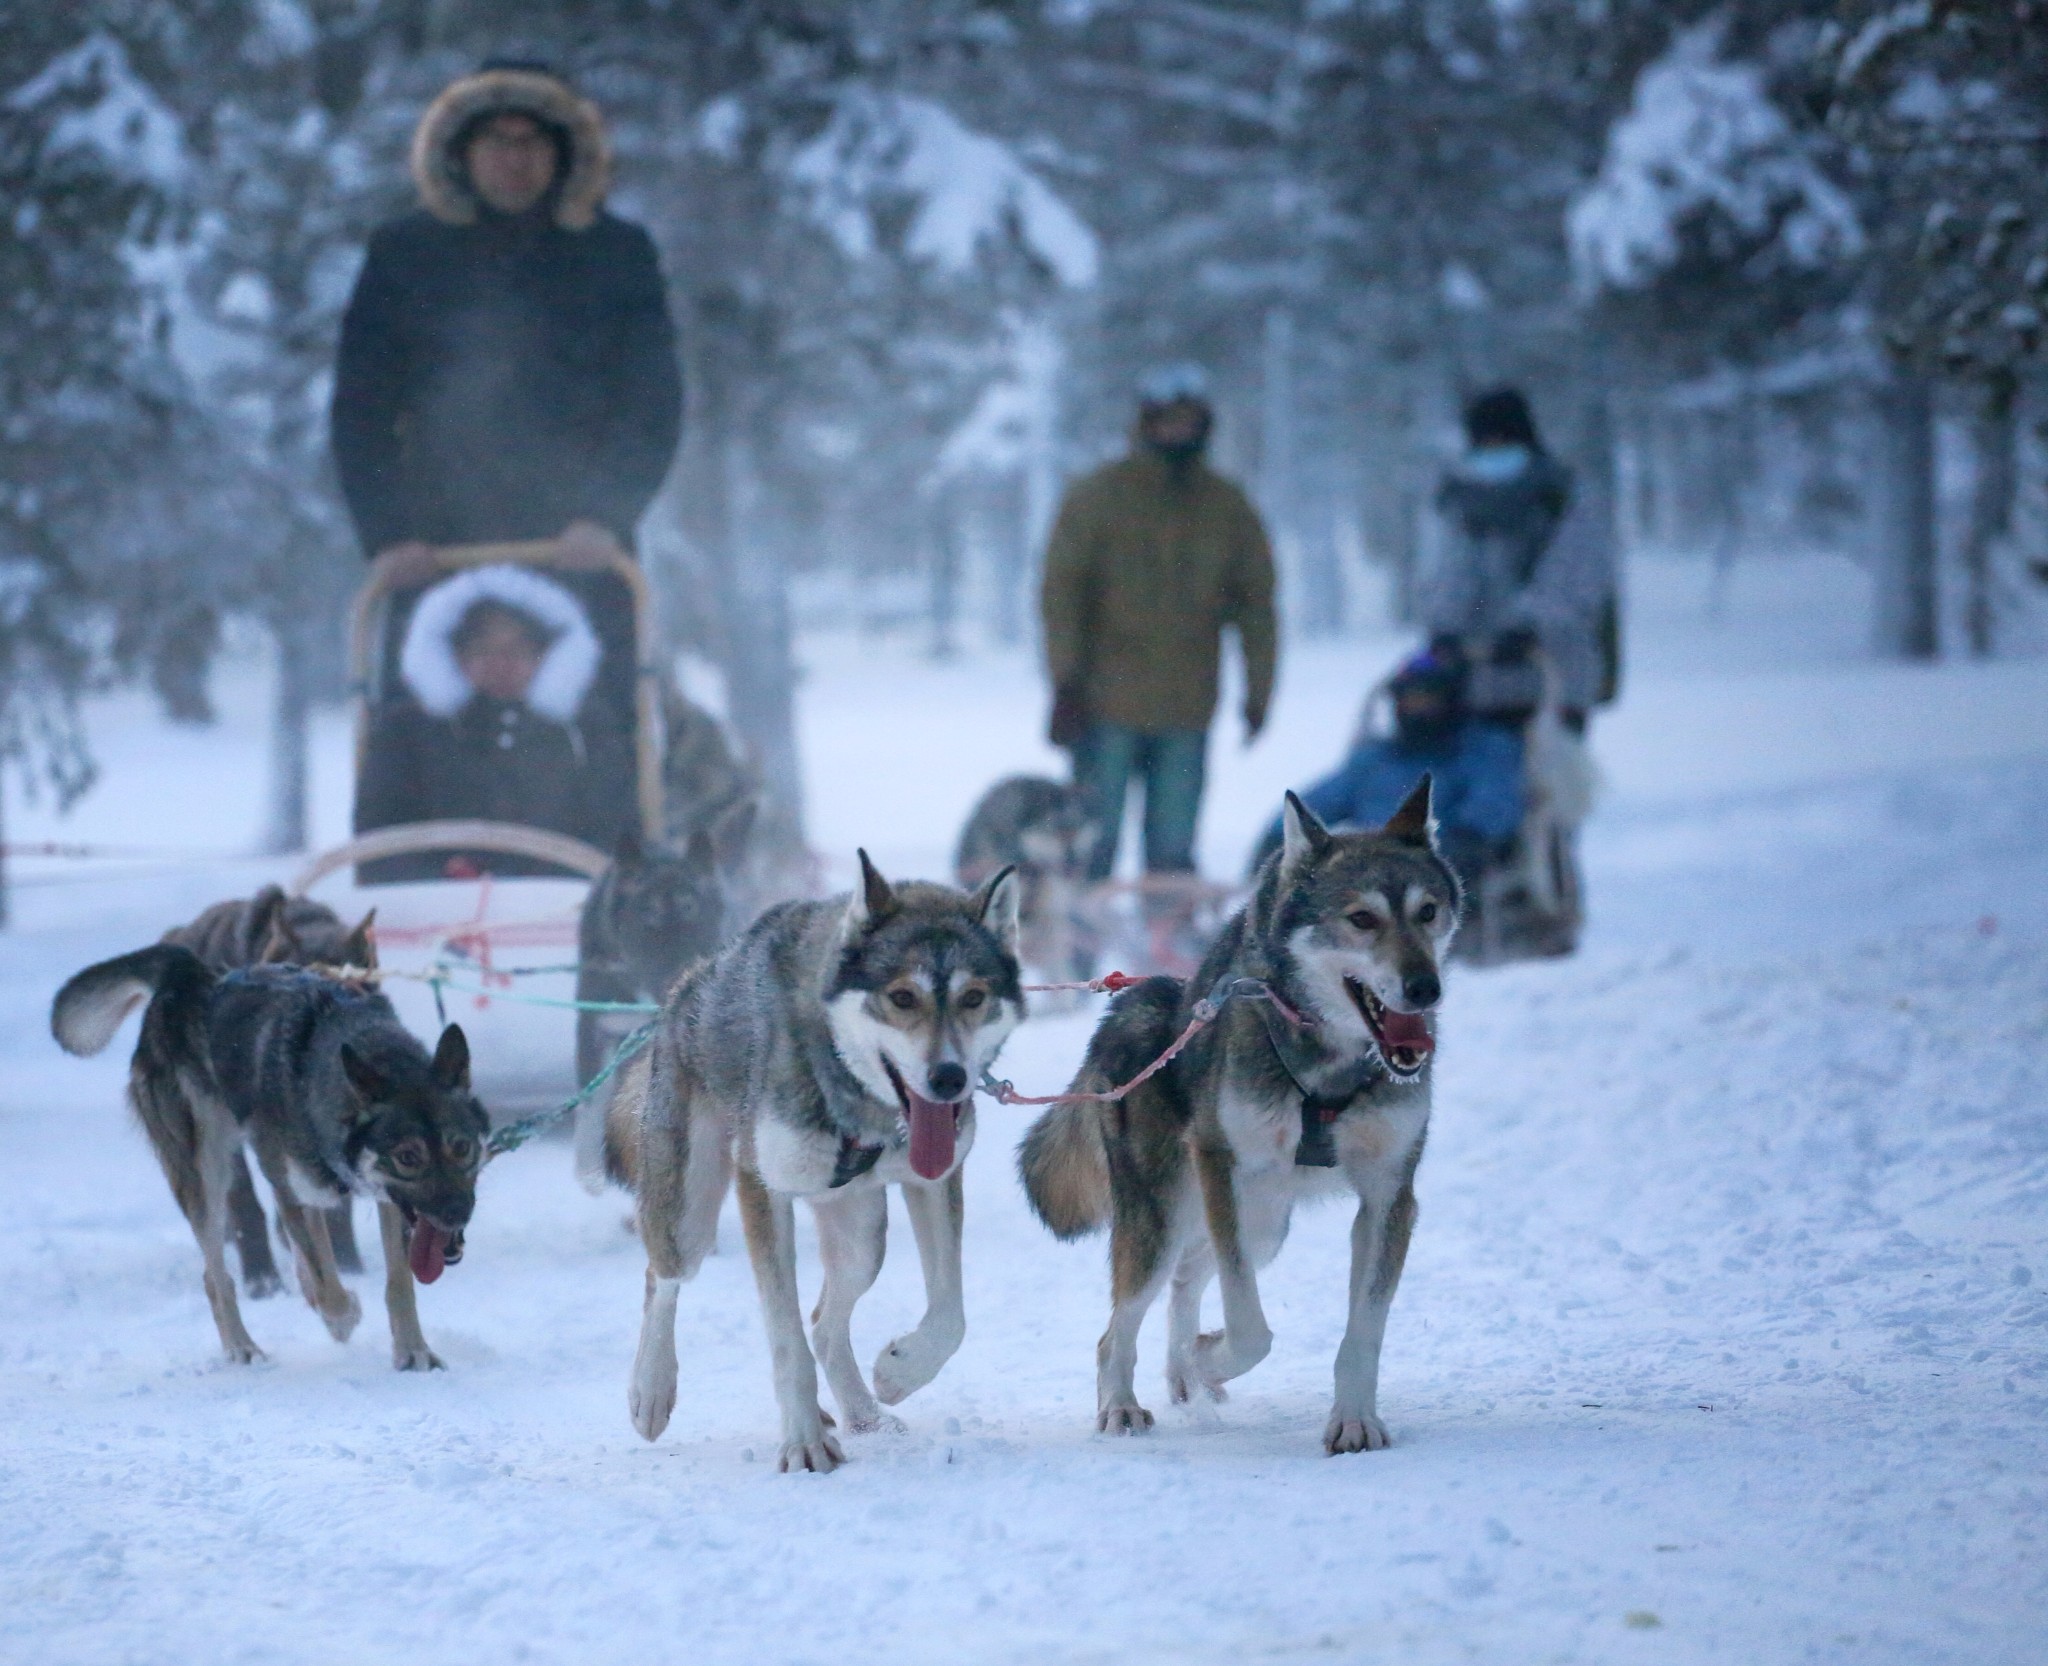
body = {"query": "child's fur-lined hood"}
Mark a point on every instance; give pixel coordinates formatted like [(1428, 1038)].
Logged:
[(442, 178), (567, 668)]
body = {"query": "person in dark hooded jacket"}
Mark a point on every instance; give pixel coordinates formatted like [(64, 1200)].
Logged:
[(497, 665), (1523, 566), (507, 366)]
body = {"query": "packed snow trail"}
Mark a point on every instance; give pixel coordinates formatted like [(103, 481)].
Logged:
[(1722, 1338)]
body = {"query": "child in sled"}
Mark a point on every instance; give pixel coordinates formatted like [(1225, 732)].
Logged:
[(1475, 766), (496, 664)]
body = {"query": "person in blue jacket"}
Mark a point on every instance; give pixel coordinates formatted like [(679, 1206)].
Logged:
[(1475, 766)]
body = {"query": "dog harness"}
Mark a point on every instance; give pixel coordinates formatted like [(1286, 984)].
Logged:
[(1317, 1147)]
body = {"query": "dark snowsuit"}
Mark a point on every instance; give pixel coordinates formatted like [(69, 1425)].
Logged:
[(492, 761)]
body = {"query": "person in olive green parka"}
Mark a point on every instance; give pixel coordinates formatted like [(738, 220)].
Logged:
[(1151, 559)]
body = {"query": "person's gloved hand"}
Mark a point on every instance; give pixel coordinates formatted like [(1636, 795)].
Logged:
[(1069, 717)]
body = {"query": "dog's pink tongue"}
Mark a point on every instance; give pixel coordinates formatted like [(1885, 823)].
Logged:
[(428, 1251), (934, 1128), (1407, 1029)]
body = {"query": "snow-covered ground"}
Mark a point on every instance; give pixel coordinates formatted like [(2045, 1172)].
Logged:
[(1724, 1337)]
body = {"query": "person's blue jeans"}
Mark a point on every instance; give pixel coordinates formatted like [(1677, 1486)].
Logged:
[(1107, 759)]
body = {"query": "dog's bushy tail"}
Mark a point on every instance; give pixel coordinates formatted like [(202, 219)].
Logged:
[(1062, 1160), (90, 1008)]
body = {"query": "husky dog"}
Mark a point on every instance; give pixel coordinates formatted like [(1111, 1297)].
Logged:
[(1041, 828), (268, 929), (826, 1053), (1196, 1173), (652, 914), (333, 1095)]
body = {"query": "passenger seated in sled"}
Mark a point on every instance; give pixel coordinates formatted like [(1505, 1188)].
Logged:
[(1475, 765), (495, 719)]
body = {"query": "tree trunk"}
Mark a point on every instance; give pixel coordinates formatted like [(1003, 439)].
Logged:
[(290, 748), (1994, 440), (1908, 625), (944, 535)]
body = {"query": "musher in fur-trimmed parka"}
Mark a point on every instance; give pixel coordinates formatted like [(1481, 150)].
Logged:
[(497, 665), (505, 371)]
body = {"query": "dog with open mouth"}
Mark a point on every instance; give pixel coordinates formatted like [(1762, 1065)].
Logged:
[(333, 1095), (1316, 1084), (827, 1053)]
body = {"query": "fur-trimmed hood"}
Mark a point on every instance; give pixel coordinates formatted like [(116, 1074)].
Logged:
[(567, 669), (442, 179)]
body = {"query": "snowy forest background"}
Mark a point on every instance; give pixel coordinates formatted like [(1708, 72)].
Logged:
[(1774, 272)]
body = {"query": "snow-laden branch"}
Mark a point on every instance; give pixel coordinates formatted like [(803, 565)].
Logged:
[(113, 115), (1703, 137), (969, 189)]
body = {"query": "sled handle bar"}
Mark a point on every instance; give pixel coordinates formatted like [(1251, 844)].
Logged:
[(502, 838)]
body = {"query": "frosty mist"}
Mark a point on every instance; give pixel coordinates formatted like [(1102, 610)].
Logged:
[(1764, 265)]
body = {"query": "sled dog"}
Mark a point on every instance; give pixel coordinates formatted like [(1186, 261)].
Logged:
[(1041, 828), (828, 1052), (1196, 1173), (269, 929), (653, 912), (333, 1095)]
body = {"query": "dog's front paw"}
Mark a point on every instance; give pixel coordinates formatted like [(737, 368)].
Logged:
[(652, 1397), (342, 1318), (1364, 1433), (1124, 1420), (911, 1361), (244, 1352), (814, 1450), (415, 1356), (877, 1422)]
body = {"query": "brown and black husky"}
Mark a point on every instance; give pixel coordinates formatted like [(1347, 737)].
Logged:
[(272, 929), (334, 1096), (1318, 1093)]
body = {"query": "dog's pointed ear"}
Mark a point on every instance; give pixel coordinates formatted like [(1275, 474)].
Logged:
[(873, 902), (731, 828), (359, 948), (451, 1059), (1415, 822), (266, 916), (998, 906), (370, 1084), (1301, 834), (627, 849)]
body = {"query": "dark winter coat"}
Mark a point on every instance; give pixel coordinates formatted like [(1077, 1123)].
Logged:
[(500, 378), (1147, 565)]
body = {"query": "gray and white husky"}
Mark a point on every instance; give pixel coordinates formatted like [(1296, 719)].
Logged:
[(828, 1052), (1041, 828), (334, 1096), (1324, 1091)]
